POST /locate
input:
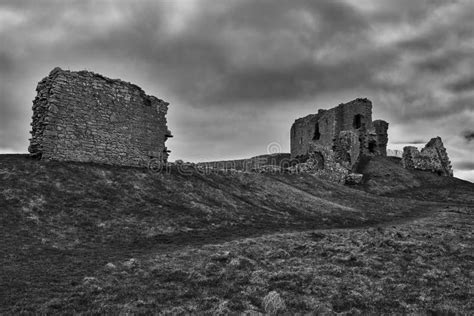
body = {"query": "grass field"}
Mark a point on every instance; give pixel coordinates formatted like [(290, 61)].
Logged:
[(84, 238)]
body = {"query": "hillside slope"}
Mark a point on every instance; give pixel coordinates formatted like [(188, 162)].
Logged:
[(62, 222), (386, 176), (102, 201)]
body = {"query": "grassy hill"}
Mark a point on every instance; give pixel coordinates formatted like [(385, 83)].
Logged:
[(102, 239), (386, 176)]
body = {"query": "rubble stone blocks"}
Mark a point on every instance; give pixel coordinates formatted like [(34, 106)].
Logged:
[(341, 135), (433, 157), (354, 178), (83, 116)]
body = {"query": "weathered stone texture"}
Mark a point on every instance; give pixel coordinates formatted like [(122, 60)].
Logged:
[(341, 135), (83, 116), (379, 138), (433, 157)]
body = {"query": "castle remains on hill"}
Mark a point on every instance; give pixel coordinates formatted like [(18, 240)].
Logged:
[(333, 143), (336, 140), (86, 117), (432, 157)]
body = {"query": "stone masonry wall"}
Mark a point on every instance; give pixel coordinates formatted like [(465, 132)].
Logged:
[(340, 136), (302, 133), (433, 157), (83, 116), (379, 138), (347, 112), (337, 127), (329, 123)]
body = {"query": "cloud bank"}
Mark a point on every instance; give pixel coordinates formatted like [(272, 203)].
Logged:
[(237, 73)]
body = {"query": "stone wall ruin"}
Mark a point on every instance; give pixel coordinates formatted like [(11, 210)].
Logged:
[(433, 157), (86, 117), (338, 138), (334, 142)]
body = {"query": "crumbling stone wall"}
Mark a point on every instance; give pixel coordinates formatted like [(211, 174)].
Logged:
[(303, 131), (379, 139), (347, 148), (83, 116), (433, 157), (342, 135)]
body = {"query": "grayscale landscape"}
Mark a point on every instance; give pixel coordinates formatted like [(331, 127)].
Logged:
[(200, 157)]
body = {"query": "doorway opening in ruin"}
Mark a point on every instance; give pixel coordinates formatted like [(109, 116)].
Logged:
[(317, 134), (372, 146), (318, 160), (357, 123)]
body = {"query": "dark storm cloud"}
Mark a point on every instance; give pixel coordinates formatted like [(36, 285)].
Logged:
[(423, 106), (461, 85), (404, 11), (237, 51), (468, 135), (423, 43), (430, 50), (442, 62), (465, 165), (249, 51)]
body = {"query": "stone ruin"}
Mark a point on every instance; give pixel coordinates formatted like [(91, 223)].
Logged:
[(433, 157), (83, 116), (333, 142), (86, 117)]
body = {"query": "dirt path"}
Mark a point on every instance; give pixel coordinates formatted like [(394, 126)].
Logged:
[(38, 271)]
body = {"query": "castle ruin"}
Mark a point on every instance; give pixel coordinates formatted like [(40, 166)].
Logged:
[(86, 117), (336, 139), (433, 157), (333, 143)]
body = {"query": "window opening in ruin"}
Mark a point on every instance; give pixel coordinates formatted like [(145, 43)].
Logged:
[(372, 146), (357, 121), (347, 157), (317, 134), (301, 140)]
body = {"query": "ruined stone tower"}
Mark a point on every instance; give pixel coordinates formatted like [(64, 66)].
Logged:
[(83, 116), (337, 138), (433, 157)]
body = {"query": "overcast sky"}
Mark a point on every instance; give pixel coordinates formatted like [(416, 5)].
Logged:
[(237, 73)]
